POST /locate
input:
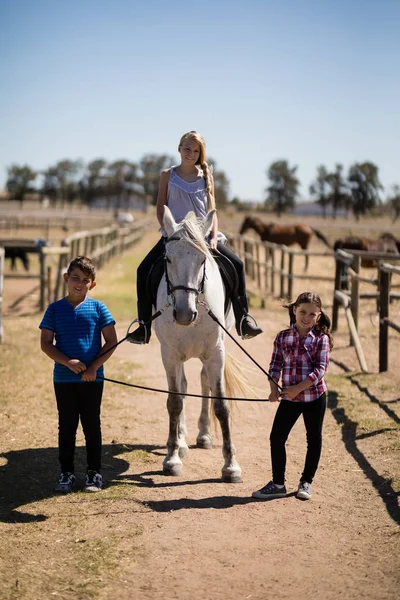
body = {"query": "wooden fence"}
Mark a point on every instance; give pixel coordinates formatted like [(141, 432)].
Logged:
[(383, 294), (265, 262), (100, 244)]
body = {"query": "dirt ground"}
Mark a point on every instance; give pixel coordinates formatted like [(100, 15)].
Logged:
[(194, 537)]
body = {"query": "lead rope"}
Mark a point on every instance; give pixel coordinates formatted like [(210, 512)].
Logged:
[(214, 318)]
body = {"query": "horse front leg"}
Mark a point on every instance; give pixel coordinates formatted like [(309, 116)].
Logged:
[(172, 464), (231, 472), (204, 438)]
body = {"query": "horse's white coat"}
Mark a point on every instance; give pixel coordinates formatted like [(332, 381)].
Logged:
[(186, 331)]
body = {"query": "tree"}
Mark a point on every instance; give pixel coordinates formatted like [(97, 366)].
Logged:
[(221, 185), (61, 181), (121, 177), (19, 179), (282, 192), (93, 182), (339, 194), (365, 186), (319, 189), (151, 166), (394, 202)]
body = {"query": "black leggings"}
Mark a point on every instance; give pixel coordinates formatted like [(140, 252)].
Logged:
[(74, 401), (145, 301), (286, 416)]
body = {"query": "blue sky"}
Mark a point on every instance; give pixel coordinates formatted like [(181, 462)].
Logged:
[(313, 82)]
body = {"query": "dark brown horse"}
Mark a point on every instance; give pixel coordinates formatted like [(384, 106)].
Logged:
[(284, 234), (385, 243)]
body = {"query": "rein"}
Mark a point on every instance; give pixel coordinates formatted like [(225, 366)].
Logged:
[(214, 318)]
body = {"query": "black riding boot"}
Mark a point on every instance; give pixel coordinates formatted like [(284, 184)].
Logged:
[(141, 335), (246, 325)]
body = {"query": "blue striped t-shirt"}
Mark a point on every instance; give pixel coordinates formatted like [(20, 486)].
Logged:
[(77, 333)]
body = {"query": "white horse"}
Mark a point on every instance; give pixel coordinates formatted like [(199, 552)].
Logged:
[(186, 331)]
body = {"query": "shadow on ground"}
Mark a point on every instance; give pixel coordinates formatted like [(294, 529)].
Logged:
[(30, 475), (349, 436)]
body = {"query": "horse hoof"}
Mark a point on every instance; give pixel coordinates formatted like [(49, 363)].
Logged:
[(183, 451), (204, 442), (172, 470), (231, 478)]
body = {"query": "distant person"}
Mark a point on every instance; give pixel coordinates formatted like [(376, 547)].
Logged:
[(76, 324), (185, 188), (301, 356)]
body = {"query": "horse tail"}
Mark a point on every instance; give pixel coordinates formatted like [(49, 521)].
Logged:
[(237, 382), (322, 237)]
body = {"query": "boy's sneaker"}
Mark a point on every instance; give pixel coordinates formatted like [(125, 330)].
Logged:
[(271, 490), (65, 483), (304, 490), (94, 482)]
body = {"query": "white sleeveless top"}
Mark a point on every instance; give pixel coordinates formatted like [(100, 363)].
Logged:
[(183, 197)]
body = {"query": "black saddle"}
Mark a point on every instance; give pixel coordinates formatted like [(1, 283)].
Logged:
[(226, 268)]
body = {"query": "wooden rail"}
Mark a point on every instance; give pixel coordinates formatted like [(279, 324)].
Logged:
[(100, 244), (261, 260)]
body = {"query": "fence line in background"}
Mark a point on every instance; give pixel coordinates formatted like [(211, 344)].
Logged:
[(100, 244), (260, 262)]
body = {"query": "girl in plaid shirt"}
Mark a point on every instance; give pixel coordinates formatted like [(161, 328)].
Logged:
[(301, 357)]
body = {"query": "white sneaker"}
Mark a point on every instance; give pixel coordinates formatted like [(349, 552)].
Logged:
[(270, 491), (94, 482), (304, 490)]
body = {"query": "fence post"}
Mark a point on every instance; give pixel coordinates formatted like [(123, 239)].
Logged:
[(2, 252), (272, 270), (283, 249), (43, 275), (335, 307), (355, 293), (384, 295), (290, 277)]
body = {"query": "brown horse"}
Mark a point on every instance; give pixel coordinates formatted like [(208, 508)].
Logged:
[(385, 243), (284, 234)]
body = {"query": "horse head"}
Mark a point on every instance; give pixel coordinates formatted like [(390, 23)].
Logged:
[(247, 224), (185, 262)]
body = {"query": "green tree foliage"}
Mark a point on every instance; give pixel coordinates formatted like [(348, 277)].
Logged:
[(94, 181), (221, 185), (151, 166), (339, 193), (365, 186), (283, 191), (394, 202), (61, 181), (319, 189), (19, 181)]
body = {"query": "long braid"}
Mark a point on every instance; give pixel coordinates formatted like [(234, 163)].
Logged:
[(207, 179)]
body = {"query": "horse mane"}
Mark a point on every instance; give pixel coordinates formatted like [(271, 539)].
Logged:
[(189, 231)]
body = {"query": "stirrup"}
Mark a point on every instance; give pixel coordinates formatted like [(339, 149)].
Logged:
[(130, 333), (247, 337)]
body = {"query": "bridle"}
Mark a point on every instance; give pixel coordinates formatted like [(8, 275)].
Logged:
[(172, 288)]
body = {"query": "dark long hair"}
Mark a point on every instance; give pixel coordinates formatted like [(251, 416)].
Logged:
[(323, 324)]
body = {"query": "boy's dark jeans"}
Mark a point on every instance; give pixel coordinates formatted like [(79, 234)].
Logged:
[(285, 418), (74, 401)]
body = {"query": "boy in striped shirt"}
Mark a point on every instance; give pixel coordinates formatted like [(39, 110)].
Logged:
[(71, 334)]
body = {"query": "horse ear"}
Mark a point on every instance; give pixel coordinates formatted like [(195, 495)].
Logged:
[(208, 222), (168, 221)]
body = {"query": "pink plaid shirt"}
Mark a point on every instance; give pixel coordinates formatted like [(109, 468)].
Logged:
[(297, 359)]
